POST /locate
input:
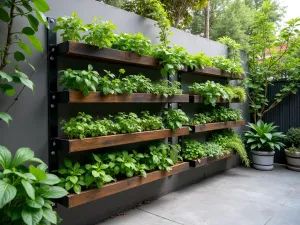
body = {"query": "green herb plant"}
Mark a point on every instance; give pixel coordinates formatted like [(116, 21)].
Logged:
[(100, 34), (193, 149), (136, 43), (174, 118), (27, 191), (80, 80), (229, 140), (73, 176), (201, 60), (15, 45), (166, 88), (71, 26)]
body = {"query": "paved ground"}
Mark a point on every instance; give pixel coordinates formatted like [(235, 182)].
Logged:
[(238, 197)]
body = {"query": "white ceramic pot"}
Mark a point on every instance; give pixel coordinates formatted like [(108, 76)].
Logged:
[(263, 160), (293, 160)]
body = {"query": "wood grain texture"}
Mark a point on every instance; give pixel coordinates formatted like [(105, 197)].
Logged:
[(76, 145), (215, 72), (216, 126), (96, 97), (84, 197), (200, 99), (208, 160), (81, 50)]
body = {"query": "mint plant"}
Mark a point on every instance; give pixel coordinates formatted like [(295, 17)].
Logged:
[(128, 123), (136, 43), (201, 60), (210, 90), (192, 149), (166, 88), (100, 34), (227, 65), (80, 80), (26, 190), (71, 27), (201, 118), (174, 118), (73, 176), (149, 122)]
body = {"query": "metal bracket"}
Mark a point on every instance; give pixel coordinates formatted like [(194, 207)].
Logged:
[(52, 98)]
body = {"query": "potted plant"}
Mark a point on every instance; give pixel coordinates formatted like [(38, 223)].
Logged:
[(263, 140), (293, 152)]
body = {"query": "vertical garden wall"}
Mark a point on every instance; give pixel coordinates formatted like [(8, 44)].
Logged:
[(30, 125)]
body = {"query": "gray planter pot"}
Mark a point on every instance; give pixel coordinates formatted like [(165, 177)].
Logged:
[(263, 160), (293, 160)]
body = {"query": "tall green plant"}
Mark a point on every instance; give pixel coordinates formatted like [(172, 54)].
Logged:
[(26, 192), (273, 55), (14, 44)]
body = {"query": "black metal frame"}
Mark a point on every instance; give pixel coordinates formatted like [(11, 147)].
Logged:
[(52, 100)]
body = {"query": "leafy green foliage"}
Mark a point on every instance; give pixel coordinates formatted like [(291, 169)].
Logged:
[(193, 149), (227, 65), (10, 11), (212, 91), (26, 190), (293, 137), (201, 60), (263, 137), (172, 59), (228, 139), (80, 80), (272, 55), (154, 10), (83, 125), (108, 167), (174, 118), (166, 88), (71, 27), (136, 43), (86, 81), (100, 34), (220, 114), (73, 176), (293, 149)]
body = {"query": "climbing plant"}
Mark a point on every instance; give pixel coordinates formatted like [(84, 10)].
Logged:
[(14, 50)]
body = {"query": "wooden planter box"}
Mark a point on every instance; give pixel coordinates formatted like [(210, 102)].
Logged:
[(200, 99), (208, 160), (96, 97), (84, 197), (216, 126), (214, 72), (76, 145), (85, 51)]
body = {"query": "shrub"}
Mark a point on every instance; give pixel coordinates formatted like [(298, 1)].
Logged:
[(293, 137)]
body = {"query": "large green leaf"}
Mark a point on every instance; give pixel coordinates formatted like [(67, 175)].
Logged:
[(42, 18), (38, 173), (31, 216), (7, 89), (52, 192), (34, 23), (35, 42), (33, 203), (25, 48), (29, 189), (7, 193), (41, 5), (27, 83), (269, 136), (5, 76), (51, 179), (5, 156), (19, 56), (4, 15), (50, 215), (22, 155)]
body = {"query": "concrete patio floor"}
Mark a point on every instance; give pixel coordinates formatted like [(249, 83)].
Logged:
[(239, 196)]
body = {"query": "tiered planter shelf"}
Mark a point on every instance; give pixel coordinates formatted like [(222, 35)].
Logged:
[(215, 72), (200, 99), (80, 50), (96, 97), (84, 197), (76, 145), (208, 160), (216, 126)]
